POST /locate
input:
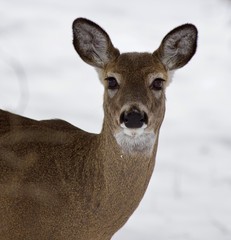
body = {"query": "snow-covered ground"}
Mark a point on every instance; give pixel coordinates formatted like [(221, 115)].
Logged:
[(189, 196)]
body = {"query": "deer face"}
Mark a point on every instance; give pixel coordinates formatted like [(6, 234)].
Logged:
[(135, 83), (134, 99)]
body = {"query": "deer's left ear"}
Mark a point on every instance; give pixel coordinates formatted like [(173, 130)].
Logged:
[(178, 46)]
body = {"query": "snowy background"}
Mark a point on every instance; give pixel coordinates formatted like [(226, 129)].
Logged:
[(41, 76)]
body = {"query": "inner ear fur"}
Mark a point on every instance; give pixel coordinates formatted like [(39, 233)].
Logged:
[(92, 43), (178, 46)]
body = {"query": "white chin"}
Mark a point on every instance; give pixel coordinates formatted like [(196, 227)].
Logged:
[(135, 140), (133, 132)]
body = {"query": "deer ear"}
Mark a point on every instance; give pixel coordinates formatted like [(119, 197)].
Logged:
[(178, 46), (92, 43)]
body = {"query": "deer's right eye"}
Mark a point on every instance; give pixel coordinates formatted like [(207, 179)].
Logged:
[(112, 83)]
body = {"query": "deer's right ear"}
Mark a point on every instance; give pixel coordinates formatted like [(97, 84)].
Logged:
[(178, 46), (92, 43)]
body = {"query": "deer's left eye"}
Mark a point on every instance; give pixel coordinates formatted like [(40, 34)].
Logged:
[(157, 84), (112, 83)]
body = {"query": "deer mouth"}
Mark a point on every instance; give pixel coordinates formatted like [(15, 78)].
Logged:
[(133, 132)]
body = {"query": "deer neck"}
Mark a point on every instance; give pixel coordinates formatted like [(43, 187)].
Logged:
[(122, 165), (126, 176)]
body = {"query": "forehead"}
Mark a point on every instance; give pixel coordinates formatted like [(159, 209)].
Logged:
[(142, 63)]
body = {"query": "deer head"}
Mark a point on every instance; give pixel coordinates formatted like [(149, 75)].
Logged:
[(135, 83)]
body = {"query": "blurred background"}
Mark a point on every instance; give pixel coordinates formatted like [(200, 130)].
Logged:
[(41, 77)]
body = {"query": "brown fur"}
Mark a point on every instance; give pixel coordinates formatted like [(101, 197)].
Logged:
[(59, 182)]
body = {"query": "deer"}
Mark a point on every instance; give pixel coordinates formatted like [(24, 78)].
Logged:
[(60, 182)]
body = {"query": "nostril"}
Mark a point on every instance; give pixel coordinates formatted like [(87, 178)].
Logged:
[(133, 119), (145, 118), (122, 118)]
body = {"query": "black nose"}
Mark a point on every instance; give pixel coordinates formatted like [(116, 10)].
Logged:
[(133, 119)]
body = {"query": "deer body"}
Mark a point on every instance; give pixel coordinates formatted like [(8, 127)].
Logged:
[(60, 182), (54, 184)]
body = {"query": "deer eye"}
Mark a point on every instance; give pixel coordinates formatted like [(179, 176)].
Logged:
[(112, 83), (157, 84)]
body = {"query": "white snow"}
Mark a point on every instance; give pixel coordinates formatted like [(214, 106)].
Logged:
[(189, 196)]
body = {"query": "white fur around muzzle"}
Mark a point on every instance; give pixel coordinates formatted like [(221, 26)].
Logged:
[(134, 140)]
